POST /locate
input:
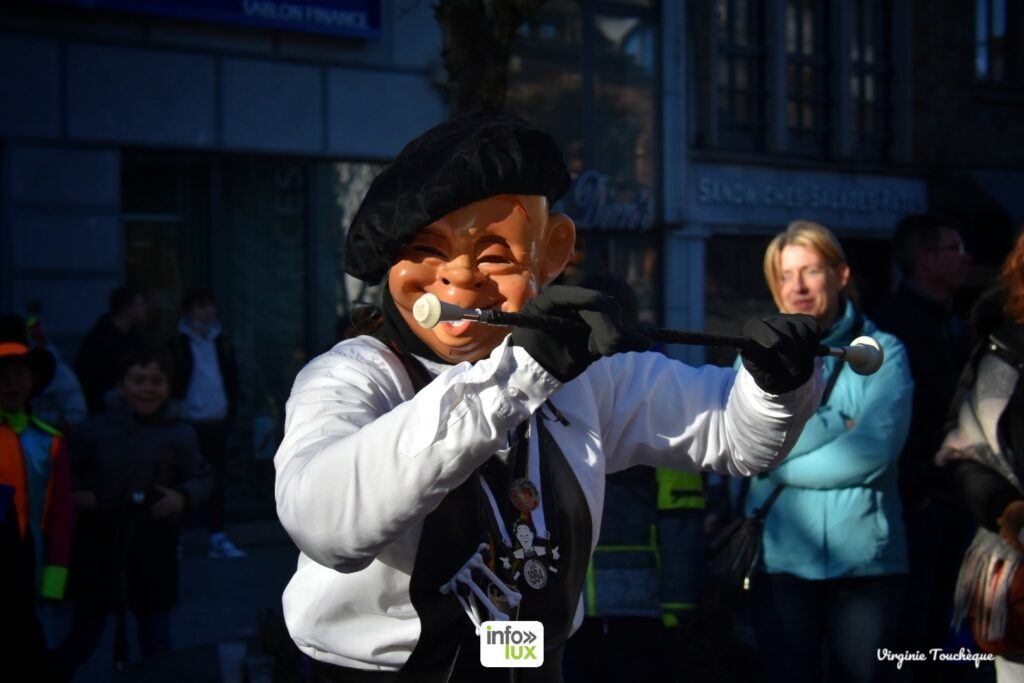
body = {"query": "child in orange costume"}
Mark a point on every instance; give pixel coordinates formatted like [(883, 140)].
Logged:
[(34, 464)]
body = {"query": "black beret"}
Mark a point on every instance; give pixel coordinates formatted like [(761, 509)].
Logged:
[(458, 162)]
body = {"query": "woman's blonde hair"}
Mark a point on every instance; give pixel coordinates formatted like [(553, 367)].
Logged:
[(804, 234), (1012, 275)]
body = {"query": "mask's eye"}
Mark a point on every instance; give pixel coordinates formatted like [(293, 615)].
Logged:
[(495, 258), (496, 253), (429, 251)]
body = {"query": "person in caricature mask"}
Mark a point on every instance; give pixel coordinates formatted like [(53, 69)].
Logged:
[(403, 447)]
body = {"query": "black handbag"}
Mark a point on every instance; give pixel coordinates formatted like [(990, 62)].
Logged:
[(734, 553)]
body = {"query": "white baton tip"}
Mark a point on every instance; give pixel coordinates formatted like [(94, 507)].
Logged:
[(427, 311), (865, 355)]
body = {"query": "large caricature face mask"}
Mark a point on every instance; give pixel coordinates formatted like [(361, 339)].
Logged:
[(495, 253)]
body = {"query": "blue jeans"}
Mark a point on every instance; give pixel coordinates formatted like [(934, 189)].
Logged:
[(827, 630)]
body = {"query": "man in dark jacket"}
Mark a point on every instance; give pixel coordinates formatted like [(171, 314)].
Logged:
[(929, 252), (114, 333), (206, 383)]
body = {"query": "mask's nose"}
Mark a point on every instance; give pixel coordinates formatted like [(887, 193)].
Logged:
[(462, 273)]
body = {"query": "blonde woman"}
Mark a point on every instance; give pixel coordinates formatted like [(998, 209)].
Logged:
[(834, 544)]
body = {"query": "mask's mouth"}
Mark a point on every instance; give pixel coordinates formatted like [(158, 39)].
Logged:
[(455, 328)]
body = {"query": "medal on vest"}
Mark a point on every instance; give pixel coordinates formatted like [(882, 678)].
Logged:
[(524, 495), (532, 557)]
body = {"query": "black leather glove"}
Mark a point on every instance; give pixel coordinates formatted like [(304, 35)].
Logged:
[(568, 352), (781, 355)]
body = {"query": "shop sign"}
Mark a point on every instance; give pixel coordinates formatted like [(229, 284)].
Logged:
[(352, 18), (594, 203), (733, 194)]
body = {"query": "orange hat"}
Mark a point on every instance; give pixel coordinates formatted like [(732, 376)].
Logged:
[(14, 346)]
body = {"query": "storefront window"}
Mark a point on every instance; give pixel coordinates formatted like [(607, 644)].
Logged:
[(600, 61), (587, 73), (266, 234), (546, 76), (165, 215), (624, 109), (631, 257), (261, 266)]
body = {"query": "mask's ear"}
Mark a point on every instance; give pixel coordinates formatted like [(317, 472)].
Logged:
[(557, 249)]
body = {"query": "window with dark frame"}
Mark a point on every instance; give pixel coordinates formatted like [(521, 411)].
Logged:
[(869, 79), (546, 78), (587, 72), (600, 58), (740, 77), (807, 65), (990, 40)]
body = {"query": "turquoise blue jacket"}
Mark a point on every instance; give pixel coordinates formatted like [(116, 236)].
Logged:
[(840, 513)]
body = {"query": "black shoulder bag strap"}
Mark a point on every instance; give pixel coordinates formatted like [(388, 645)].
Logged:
[(858, 326)]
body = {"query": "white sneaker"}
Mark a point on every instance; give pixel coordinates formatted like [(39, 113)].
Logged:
[(221, 548)]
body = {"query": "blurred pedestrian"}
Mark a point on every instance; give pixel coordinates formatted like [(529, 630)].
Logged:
[(34, 465), (135, 469), (929, 251), (61, 403), (114, 333), (834, 546), (206, 383), (984, 452)]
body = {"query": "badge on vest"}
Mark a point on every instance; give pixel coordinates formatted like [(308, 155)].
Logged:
[(533, 560)]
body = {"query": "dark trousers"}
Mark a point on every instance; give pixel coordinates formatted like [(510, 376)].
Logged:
[(87, 624), (828, 630), (937, 538), (213, 441)]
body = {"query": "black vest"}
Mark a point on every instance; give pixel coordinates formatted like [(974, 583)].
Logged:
[(454, 531)]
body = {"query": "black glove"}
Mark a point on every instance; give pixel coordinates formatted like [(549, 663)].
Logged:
[(781, 355), (568, 352)]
